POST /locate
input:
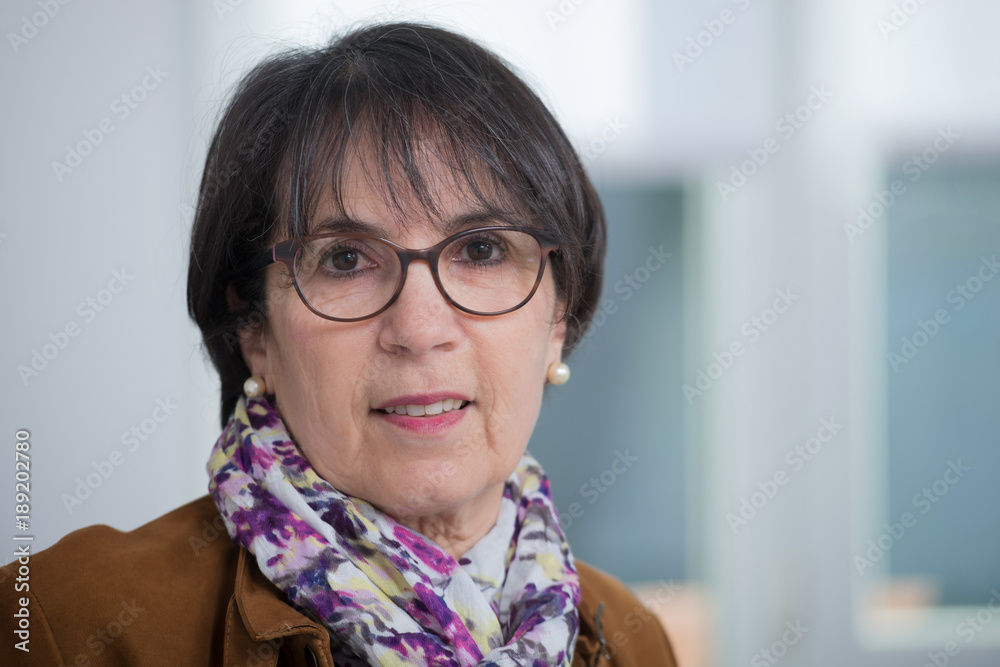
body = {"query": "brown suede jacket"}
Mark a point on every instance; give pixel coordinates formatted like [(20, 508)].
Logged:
[(177, 591)]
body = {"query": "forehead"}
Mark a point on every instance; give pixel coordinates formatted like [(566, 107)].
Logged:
[(426, 196)]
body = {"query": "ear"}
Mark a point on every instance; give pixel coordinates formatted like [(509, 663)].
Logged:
[(254, 351), (557, 336), (251, 339)]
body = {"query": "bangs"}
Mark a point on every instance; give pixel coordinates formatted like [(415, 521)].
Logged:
[(409, 165), (372, 114)]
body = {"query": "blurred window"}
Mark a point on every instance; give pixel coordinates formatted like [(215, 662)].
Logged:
[(943, 369), (612, 438)]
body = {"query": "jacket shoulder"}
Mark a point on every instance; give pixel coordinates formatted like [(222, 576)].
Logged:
[(104, 596), (633, 635)]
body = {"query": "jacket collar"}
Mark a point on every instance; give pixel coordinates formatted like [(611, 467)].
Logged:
[(259, 615), (259, 621)]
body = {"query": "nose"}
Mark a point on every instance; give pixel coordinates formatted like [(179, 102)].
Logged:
[(420, 320)]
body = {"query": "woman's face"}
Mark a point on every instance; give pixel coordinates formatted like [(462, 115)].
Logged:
[(329, 379)]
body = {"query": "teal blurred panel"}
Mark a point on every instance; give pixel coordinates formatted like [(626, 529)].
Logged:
[(943, 389), (611, 439)]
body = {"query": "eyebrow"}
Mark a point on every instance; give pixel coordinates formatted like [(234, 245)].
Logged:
[(447, 227)]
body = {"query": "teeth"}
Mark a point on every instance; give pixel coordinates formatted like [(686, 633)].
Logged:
[(446, 405)]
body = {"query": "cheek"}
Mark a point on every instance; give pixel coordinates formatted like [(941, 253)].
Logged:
[(316, 367), (288, 350), (513, 367)]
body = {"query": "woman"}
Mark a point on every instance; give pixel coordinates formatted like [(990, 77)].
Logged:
[(395, 245)]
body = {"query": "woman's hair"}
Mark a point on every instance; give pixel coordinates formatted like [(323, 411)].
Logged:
[(383, 92)]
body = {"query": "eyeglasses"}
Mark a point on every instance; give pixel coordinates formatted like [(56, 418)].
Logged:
[(351, 277)]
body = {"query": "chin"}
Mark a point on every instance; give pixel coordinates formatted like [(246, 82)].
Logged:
[(422, 500), (426, 496)]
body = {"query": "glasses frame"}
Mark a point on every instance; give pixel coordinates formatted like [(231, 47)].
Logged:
[(286, 252)]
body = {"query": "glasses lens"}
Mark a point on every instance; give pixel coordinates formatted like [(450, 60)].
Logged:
[(489, 271), (346, 277)]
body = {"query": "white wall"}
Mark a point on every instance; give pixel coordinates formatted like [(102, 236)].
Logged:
[(67, 233)]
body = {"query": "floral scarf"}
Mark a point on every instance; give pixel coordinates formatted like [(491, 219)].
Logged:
[(387, 594)]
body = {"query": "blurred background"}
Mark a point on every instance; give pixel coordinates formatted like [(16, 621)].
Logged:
[(782, 430)]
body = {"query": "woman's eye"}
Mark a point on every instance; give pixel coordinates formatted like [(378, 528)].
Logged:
[(479, 251), (345, 260)]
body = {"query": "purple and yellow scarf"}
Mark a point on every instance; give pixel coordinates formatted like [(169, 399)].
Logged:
[(387, 594)]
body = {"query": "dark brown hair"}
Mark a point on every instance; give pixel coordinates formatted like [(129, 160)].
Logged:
[(297, 117)]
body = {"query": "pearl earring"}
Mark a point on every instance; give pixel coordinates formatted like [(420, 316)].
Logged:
[(253, 387), (558, 373)]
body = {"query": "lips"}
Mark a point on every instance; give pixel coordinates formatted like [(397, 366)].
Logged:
[(430, 410), (424, 414), (423, 400)]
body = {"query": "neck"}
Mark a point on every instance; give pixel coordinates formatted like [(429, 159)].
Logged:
[(457, 530)]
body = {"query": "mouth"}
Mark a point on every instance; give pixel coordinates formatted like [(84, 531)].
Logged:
[(424, 414), (425, 410)]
